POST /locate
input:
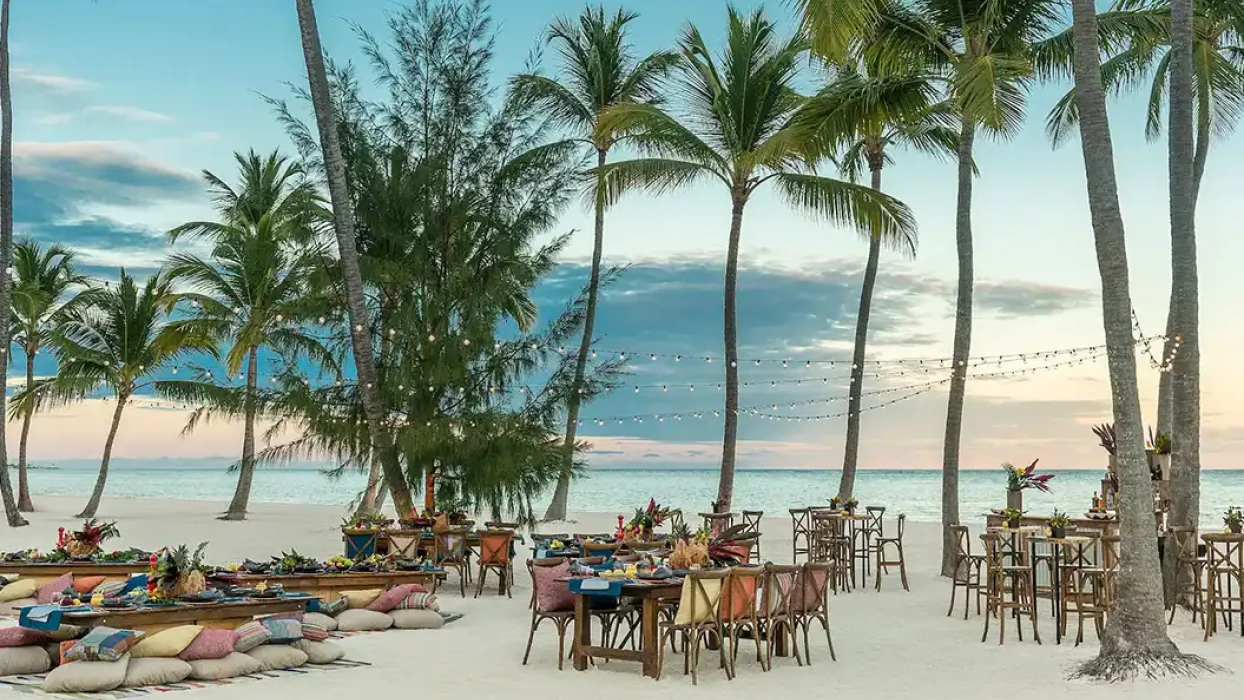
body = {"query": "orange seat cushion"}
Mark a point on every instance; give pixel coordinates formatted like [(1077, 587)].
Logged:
[(86, 584)]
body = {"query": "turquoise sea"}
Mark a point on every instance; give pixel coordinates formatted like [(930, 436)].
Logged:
[(915, 492)]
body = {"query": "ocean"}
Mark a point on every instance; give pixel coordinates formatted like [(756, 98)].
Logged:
[(914, 492)]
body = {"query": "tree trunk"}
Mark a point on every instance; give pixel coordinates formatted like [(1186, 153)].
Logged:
[(246, 475), (962, 347), (14, 517), (851, 451), (343, 225), (372, 495), (1135, 639), (725, 488), (92, 506), (24, 502), (557, 508)]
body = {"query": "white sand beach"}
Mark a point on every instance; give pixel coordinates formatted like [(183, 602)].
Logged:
[(890, 644)]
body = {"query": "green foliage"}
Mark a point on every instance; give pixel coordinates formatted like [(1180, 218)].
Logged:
[(1232, 517), (1059, 519)]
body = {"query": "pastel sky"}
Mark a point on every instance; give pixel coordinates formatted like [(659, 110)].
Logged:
[(119, 105)]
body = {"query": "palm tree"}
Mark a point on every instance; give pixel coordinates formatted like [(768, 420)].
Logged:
[(47, 288), (343, 226), (6, 246), (255, 289), (600, 72), (863, 116), (119, 340), (740, 105), (1135, 639)]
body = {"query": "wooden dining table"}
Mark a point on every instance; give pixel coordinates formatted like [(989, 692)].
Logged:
[(650, 595)]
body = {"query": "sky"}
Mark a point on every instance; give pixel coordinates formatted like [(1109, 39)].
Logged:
[(118, 107)]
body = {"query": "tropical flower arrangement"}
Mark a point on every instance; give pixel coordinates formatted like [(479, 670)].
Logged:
[(1233, 519), (1021, 479), (647, 519), (87, 541), (1012, 517), (366, 521), (177, 571)]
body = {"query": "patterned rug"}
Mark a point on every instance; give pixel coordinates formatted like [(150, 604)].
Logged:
[(34, 684)]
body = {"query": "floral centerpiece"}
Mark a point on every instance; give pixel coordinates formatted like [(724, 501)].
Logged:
[(366, 521), (1233, 519), (1158, 451), (646, 520), (1058, 524), (1011, 517), (177, 572), (84, 543), (1018, 480)]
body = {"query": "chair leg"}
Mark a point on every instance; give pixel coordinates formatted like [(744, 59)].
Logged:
[(482, 574), (829, 637), (531, 635), (954, 586), (902, 567)]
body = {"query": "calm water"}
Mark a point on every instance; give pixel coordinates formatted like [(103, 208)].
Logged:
[(915, 492)]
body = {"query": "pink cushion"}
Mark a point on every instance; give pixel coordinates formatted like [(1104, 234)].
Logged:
[(52, 590), (21, 637), (804, 598), (552, 595), (390, 598), (210, 645)]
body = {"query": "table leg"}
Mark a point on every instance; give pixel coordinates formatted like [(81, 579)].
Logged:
[(650, 643), (1056, 594), (582, 632)]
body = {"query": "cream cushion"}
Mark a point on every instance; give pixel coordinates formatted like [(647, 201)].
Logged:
[(233, 665), (319, 652), (322, 620), (21, 588), (363, 621), (166, 644), (359, 599), (20, 661), (155, 671), (87, 676), (278, 657), (417, 619)]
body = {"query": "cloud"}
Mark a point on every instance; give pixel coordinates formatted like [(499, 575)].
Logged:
[(128, 113), (1012, 300), (49, 82)]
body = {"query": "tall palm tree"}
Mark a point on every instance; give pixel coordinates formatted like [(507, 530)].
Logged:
[(739, 105), (1135, 639), (6, 246), (600, 71), (254, 290), (343, 226), (119, 341), (46, 288), (862, 117)]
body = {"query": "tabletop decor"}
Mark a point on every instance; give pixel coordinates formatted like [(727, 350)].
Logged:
[(1018, 480), (1058, 524), (85, 543), (1233, 519), (646, 520), (1011, 517)]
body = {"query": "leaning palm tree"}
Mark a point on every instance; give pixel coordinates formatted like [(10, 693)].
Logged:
[(343, 226), (600, 72), (1135, 640), (119, 341), (46, 288), (862, 118), (736, 128), (6, 246), (256, 288)]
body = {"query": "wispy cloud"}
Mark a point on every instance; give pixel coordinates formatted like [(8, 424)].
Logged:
[(49, 82), (136, 114)]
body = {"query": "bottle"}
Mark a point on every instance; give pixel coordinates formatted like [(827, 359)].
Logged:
[(1096, 502)]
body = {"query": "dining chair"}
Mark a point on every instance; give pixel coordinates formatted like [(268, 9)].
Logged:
[(494, 555), (699, 617)]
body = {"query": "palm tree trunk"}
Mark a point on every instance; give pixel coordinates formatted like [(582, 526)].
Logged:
[(14, 517), (1135, 639), (24, 503), (725, 487), (557, 508), (246, 475), (92, 506), (343, 225), (959, 355), (851, 451), (371, 495)]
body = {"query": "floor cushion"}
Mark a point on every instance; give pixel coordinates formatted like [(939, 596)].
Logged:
[(417, 619), (319, 652), (361, 599), (87, 676), (67, 633), (210, 644), (110, 589), (251, 635), (21, 637), (87, 584), (278, 657), (314, 632), (282, 630), (322, 620), (363, 621), (334, 607), (155, 671), (53, 589), (389, 599), (19, 661), (166, 644), (104, 644), (19, 589), (233, 665), (419, 601)]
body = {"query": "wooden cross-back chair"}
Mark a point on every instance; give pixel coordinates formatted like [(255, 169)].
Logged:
[(738, 610), (969, 569), (752, 518), (1008, 590), (810, 602), (889, 553), (801, 528), (776, 616), (699, 617), (494, 555), (561, 617), (452, 551)]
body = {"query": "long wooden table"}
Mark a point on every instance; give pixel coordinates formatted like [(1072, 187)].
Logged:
[(651, 594), (215, 616), (327, 586), (42, 573), (1107, 527)]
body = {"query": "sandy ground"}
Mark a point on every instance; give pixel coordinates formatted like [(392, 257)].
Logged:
[(890, 644)]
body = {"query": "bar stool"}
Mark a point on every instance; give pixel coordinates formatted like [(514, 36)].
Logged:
[(717, 522), (751, 518), (1082, 583), (831, 545), (968, 571), (801, 526), (1224, 581), (1002, 579), (864, 549), (896, 544), (1110, 562), (1189, 567)]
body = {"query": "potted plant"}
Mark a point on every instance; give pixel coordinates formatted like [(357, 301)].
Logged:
[(1109, 442), (1017, 480), (1011, 517), (1058, 524), (1234, 520), (850, 505), (1159, 453), (835, 503)]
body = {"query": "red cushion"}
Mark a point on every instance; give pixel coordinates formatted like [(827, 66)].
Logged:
[(21, 637), (209, 645), (51, 590), (552, 595), (86, 584), (390, 598)]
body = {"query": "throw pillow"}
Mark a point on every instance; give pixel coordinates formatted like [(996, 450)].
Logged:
[(314, 632), (361, 599), (282, 630), (336, 607), (87, 676), (322, 620), (63, 651), (552, 595), (166, 644), (104, 644), (251, 635), (145, 672), (22, 588), (363, 621), (110, 589), (87, 584), (389, 599), (706, 602), (13, 608), (67, 632), (52, 590), (210, 644), (319, 652), (234, 665), (277, 657), (21, 637), (419, 601), (417, 619), (20, 661)]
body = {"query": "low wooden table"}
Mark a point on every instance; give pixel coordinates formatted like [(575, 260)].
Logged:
[(326, 586), (651, 594), (215, 616), (42, 573)]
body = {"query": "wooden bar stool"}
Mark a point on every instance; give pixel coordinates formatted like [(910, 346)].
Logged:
[(1110, 562), (832, 546), (801, 528), (1189, 568), (1008, 590), (751, 518), (1082, 582), (896, 546), (1224, 580), (863, 537), (968, 571)]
